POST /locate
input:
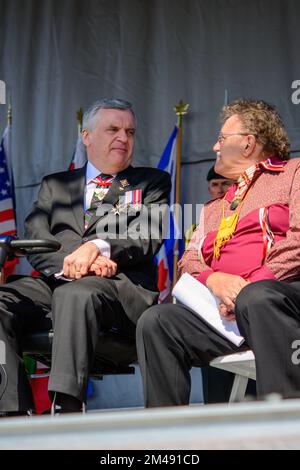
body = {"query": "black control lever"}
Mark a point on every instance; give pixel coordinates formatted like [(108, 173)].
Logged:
[(11, 247)]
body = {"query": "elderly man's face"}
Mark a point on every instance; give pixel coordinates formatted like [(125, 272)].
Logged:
[(229, 149), (218, 187), (110, 144)]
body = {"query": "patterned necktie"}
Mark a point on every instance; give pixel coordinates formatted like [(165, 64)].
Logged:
[(103, 182)]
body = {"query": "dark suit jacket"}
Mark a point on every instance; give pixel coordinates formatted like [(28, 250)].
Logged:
[(59, 214)]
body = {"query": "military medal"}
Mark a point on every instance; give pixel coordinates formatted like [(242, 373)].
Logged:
[(100, 193), (124, 183)]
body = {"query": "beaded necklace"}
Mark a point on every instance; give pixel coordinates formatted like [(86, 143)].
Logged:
[(228, 225)]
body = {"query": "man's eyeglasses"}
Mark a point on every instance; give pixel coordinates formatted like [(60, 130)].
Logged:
[(222, 137)]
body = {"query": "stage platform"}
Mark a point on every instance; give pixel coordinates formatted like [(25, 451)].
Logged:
[(253, 425)]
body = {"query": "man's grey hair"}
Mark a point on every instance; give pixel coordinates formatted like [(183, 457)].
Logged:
[(89, 120)]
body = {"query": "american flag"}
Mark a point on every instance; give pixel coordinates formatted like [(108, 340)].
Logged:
[(7, 213)]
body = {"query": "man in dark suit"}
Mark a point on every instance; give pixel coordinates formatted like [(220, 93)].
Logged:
[(107, 217)]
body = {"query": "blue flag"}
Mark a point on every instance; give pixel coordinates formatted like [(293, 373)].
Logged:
[(165, 257)]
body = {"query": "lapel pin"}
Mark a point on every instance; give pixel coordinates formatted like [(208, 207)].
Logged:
[(124, 183)]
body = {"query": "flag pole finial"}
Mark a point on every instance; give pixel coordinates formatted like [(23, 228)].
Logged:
[(79, 116), (181, 108)]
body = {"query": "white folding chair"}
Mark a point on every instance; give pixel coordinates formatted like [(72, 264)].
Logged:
[(242, 364)]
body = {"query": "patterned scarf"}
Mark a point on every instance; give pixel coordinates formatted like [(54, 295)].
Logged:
[(245, 182)]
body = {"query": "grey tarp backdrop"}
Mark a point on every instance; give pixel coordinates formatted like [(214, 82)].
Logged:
[(59, 55)]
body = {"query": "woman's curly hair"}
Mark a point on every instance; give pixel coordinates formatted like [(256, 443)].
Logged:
[(263, 121)]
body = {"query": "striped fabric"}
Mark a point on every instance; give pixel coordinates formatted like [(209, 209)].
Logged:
[(103, 182), (7, 216)]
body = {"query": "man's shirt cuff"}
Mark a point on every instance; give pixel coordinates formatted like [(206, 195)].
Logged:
[(103, 247)]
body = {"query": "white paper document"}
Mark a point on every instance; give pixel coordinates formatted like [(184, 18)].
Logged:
[(198, 298)]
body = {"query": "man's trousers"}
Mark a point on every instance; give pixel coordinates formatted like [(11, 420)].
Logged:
[(80, 309), (171, 339)]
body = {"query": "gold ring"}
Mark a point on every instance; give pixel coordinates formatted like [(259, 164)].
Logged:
[(234, 296)]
